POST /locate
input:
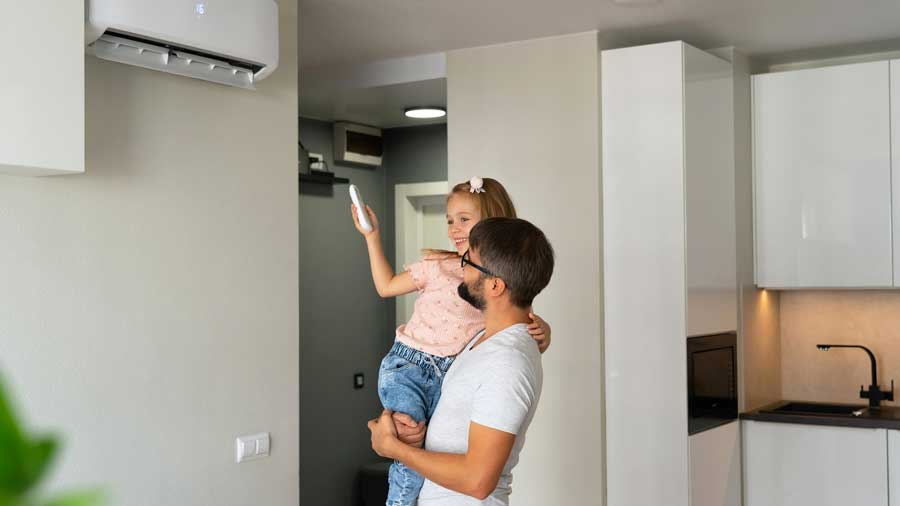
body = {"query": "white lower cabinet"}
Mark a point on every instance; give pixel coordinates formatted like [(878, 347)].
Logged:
[(894, 465), (716, 466), (810, 465)]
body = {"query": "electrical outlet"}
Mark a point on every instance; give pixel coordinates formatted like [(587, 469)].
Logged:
[(359, 380), (317, 161)]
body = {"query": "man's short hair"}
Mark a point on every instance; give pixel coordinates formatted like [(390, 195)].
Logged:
[(516, 252)]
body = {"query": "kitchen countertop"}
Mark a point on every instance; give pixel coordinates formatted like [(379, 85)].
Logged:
[(886, 417)]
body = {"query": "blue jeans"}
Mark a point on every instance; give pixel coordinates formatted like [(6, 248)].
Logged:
[(409, 381)]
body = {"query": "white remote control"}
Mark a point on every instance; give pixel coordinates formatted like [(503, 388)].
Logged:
[(360, 208)]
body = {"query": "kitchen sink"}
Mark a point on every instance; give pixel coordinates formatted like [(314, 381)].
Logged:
[(817, 409)]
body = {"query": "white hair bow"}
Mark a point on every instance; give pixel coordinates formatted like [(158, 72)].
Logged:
[(476, 185)]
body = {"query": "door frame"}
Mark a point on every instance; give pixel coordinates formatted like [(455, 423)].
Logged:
[(409, 229)]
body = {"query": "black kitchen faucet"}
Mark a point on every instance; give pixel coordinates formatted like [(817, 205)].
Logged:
[(874, 393)]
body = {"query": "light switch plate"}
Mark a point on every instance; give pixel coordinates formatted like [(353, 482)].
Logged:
[(252, 447)]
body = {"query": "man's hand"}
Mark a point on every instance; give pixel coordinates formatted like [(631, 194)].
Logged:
[(409, 431), (384, 435)]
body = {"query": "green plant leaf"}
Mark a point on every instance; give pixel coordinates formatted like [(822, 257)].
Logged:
[(22, 462), (38, 456), (8, 423), (10, 500), (13, 448), (12, 477), (81, 498)]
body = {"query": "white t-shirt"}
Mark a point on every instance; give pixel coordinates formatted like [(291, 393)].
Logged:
[(497, 385)]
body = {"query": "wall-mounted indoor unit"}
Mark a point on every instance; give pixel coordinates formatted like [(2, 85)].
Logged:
[(357, 144), (234, 43)]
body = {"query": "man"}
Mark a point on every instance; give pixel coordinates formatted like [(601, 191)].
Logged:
[(491, 392)]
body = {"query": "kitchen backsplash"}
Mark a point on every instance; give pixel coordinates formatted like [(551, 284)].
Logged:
[(867, 317)]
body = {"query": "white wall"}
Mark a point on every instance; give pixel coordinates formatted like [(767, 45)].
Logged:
[(759, 335), (149, 308), (527, 114)]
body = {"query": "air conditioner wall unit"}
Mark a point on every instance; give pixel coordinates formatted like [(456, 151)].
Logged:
[(230, 42), (357, 144)]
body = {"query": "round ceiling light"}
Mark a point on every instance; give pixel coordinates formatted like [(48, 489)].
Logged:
[(425, 112)]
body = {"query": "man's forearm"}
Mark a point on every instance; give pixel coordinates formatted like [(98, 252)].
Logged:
[(449, 470)]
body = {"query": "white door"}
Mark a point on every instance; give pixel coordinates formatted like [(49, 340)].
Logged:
[(434, 224), (421, 223), (809, 465), (821, 145)]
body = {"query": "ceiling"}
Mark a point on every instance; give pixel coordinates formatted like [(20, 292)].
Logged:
[(351, 34), (379, 106), (358, 31)]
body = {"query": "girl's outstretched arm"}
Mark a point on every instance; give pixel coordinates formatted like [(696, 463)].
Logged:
[(387, 284)]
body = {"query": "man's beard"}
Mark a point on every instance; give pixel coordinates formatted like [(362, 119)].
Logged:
[(474, 299)]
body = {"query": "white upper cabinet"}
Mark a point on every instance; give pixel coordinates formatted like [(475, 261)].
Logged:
[(895, 163), (42, 93), (822, 162)]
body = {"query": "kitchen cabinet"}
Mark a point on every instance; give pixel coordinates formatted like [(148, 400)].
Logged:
[(668, 250), (810, 465), (894, 466), (895, 164), (709, 207), (42, 94), (716, 466), (822, 167)]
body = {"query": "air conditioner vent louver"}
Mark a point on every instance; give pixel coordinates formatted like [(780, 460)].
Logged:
[(133, 50)]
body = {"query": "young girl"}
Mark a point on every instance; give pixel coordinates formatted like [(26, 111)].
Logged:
[(441, 325)]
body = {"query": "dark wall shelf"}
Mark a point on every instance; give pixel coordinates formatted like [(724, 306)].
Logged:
[(321, 177)]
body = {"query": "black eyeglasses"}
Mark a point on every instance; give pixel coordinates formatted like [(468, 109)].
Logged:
[(465, 261)]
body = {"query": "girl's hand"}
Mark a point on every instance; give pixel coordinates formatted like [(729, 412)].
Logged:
[(409, 431), (372, 219), (540, 331)]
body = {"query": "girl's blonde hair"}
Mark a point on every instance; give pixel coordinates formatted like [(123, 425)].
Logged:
[(493, 202)]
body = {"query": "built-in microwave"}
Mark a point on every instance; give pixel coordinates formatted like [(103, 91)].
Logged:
[(712, 381)]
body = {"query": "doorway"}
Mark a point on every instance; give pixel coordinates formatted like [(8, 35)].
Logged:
[(421, 223)]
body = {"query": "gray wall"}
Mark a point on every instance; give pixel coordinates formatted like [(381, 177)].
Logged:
[(412, 155), (148, 308), (341, 329), (344, 326)]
